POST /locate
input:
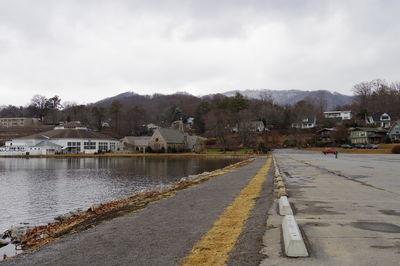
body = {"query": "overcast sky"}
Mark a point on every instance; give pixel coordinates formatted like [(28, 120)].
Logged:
[(86, 50)]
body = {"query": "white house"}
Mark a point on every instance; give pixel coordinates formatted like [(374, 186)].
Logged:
[(344, 115), (380, 119), (306, 122), (69, 138)]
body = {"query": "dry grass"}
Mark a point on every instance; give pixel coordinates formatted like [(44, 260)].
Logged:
[(215, 245), (381, 150)]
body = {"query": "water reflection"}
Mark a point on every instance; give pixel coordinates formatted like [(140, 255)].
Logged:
[(38, 189)]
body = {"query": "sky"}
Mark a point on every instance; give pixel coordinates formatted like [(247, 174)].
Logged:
[(87, 50)]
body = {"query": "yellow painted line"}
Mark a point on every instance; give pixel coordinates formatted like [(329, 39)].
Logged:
[(214, 247)]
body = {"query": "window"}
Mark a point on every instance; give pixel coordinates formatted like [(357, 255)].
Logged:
[(89, 145), (103, 146), (113, 146), (74, 146)]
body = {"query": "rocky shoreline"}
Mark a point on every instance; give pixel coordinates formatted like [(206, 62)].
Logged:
[(29, 238)]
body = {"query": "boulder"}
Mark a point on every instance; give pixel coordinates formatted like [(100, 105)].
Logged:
[(3, 243)]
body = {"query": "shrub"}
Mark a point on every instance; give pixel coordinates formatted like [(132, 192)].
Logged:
[(162, 150), (396, 149), (261, 147)]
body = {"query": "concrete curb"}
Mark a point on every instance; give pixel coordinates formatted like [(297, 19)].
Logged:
[(293, 241), (284, 206)]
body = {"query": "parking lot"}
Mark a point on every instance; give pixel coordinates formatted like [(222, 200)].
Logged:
[(348, 208)]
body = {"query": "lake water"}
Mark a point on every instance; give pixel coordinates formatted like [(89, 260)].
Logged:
[(36, 190)]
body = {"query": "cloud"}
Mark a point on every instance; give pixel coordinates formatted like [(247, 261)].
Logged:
[(87, 50)]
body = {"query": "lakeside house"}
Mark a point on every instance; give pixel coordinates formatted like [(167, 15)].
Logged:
[(363, 135), (68, 138), (135, 144), (394, 132), (173, 140), (9, 122), (343, 115), (380, 119), (306, 122), (324, 135)]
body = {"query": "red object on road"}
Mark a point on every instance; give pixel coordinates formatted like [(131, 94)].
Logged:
[(328, 151)]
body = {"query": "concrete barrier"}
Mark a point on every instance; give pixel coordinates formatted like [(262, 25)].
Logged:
[(284, 206), (293, 240)]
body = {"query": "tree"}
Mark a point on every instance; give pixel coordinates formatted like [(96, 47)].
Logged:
[(115, 113), (99, 114), (39, 105)]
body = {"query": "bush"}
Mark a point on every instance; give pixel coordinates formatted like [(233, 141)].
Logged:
[(162, 150), (396, 149), (261, 147), (148, 149)]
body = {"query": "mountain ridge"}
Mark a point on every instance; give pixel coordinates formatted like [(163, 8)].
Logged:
[(281, 97)]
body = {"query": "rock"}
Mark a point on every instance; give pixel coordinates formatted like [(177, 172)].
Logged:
[(3, 243), (16, 233), (94, 207)]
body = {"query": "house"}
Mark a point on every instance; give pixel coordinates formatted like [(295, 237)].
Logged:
[(7, 122), (135, 144), (394, 131), (257, 126), (380, 119), (253, 126), (168, 139), (363, 135), (71, 137), (195, 143), (172, 140), (306, 122), (324, 135), (343, 115)]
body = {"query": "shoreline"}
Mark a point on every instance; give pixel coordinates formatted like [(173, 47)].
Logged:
[(99, 213), (128, 155)]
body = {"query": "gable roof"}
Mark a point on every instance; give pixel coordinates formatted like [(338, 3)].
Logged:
[(46, 143), (172, 135), (377, 116)]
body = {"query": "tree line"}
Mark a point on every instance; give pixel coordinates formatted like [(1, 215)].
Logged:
[(214, 115)]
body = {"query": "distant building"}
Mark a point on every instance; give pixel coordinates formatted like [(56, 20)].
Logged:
[(306, 122), (7, 122), (252, 126), (343, 115), (165, 139), (363, 135), (380, 119), (394, 131), (151, 126), (324, 135), (173, 140), (67, 138), (135, 144)]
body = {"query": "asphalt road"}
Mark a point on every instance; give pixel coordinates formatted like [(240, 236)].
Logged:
[(164, 232), (348, 208)]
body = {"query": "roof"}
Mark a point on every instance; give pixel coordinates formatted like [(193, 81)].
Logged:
[(377, 115), (135, 140), (326, 129), (172, 135), (47, 143), (371, 129), (68, 134)]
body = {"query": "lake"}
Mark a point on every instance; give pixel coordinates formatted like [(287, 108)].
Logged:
[(36, 190)]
